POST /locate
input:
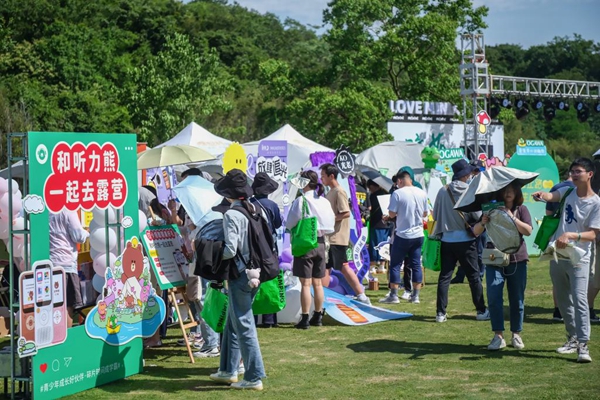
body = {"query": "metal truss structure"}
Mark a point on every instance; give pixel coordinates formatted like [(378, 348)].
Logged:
[(477, 85)]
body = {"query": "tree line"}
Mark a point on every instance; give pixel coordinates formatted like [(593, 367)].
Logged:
[(152, 66)]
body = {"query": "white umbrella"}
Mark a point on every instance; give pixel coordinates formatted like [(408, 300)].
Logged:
[(197, 196), (486, 185)]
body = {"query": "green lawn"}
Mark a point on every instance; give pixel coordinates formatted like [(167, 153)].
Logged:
[(414, 358)]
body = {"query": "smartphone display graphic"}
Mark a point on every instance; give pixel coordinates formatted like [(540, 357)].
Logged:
[(27, 295), (58, 306), (44, 331)]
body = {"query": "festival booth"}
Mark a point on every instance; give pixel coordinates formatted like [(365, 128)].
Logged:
[(196, 136), (299, 148), (94, 175)]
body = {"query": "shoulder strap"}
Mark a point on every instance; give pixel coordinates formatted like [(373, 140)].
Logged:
[(562, 203), (459, 212)]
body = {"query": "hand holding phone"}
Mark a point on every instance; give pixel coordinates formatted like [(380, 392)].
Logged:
[(538, 196)]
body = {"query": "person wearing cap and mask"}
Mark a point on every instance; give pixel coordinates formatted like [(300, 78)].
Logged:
[(458, 241), (478, 167), (240, 339), (263, 186)]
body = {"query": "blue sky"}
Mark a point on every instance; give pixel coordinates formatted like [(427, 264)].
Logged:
[(524, 22)]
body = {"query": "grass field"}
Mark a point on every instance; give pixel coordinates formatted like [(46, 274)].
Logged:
[(413, 358)]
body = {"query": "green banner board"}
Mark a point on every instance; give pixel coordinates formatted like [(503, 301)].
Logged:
[(534, 158), (82, 363)]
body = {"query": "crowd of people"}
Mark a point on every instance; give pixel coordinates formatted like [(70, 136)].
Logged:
[(463, 238)]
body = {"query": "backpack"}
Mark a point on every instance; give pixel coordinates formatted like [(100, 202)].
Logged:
[(262, 246), (209, 255)]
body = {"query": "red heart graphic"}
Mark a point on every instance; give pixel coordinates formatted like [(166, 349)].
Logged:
[(43, 368)]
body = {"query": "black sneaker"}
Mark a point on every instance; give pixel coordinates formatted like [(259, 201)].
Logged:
[(593, 316), (556, 316), (316, 319)]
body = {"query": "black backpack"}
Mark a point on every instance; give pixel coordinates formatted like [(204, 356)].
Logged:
[(209, 257), (262, 246)]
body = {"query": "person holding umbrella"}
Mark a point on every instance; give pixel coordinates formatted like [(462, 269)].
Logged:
[(514, 274), (458, 241)]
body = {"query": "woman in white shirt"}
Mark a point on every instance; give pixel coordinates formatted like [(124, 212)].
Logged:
[(310, 268)]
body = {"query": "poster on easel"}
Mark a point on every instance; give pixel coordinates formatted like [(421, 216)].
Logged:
[(71, 173), (164, 247)]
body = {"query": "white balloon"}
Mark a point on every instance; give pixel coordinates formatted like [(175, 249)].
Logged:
[(94, 253), (99, 215), (143, 221), (98, 283), (100, 262), (96, 225), (98, 240), (4, 186), (17, 204), (15, 187), (19, 224), (18, 249)]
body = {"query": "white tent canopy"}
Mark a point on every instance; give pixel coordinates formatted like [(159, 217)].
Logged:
[(197, 136), (299, 147), (18, 171), (389, 157)]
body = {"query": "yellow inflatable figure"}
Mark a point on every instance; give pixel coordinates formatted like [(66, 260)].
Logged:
[(234, 158)]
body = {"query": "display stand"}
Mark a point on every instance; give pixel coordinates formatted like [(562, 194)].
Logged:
[(173, 292)]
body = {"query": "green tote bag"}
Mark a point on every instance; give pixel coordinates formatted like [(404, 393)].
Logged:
[(214, 312), (304, 234), (270, 297), (550, 224), (431, 254)]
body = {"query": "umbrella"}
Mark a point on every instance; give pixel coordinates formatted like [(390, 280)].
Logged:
[(172, 155), (197, 196), (383, 181), (597, 154), (487, 184)]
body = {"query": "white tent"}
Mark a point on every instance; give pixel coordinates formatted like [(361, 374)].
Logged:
[(299, 147), (389, 157), (18, 171), (197, 136)]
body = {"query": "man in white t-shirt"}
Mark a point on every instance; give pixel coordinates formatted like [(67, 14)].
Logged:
[(409, 203), (579, 226)]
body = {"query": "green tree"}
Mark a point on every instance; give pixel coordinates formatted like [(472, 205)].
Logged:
[(174, 88)]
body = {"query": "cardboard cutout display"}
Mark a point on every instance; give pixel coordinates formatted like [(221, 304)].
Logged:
[(97, 173), (235, 158)]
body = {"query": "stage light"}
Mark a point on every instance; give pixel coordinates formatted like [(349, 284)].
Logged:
[(562, 105), (583, 111), (538, 104), (549, 110), (494, 108), (522, 109), (597, 107), (506, 103)]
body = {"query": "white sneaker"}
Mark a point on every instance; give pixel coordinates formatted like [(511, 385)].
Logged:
[(363, 299), (390, 299), (405, 295), (207, 353), (414, 300), (517, 342), (497, 343), (583, 353), (483, 316), (248, 385), (224, 377), (570, 346), (441, 317)]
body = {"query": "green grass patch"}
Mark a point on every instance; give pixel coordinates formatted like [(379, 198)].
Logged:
[(411, 358)]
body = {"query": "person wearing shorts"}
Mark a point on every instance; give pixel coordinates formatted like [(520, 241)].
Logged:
[(340, 238), (65, 233), (310, 267)]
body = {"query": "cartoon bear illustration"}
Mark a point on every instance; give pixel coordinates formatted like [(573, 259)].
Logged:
[(132, 261), (102, 310)]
